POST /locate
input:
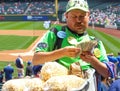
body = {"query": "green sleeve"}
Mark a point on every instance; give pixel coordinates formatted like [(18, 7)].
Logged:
[(49, 39)]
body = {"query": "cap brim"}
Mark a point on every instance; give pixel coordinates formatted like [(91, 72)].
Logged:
[(83, 9)]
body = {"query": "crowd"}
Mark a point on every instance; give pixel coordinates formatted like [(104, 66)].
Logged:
[(108, 16), (42, 7), (12, 8), (22, 71), (27, 8)]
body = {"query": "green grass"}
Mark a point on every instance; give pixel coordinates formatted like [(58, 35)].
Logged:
[(111, 43), (21, 25), (12, 42)]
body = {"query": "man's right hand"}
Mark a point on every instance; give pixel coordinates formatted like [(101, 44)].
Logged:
[(70, 51)]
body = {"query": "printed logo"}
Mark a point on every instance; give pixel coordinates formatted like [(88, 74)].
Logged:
[(61, 34)]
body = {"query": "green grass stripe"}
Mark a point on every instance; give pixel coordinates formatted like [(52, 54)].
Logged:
[(12, 42), (110, 42), (16, 25), (22, 25), (35, 26), (4, 24)]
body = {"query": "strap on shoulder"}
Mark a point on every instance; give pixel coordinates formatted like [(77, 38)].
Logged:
[(58, 42)]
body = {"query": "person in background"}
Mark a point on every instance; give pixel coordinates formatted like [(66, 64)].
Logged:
[(118, 57), (20, 66), (118, 66), (8, 70), (64, 52), (114, 60), (115, 86), (29, 69), (37, 70), (1, 79), (1, 76), (104, 84), (47, 24)]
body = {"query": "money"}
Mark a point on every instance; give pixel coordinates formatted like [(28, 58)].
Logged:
[(84, 46), (87, 45)]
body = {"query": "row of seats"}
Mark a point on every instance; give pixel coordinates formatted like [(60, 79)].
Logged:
[(33, 7)]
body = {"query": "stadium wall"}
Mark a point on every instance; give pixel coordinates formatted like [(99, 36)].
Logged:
[(28, 18)]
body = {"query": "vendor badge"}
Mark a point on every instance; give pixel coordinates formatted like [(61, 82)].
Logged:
[(97, 52), (72, 40)]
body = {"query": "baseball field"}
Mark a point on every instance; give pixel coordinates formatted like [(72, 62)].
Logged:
[(20, 38)]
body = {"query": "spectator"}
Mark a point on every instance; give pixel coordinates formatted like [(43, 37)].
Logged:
[(114, 60), (104, 84), (1, 76), (118, 66), (47, 24), (20, 66), (36, 70), (118, 57), (8, 70), (115, 86), (29, 69)]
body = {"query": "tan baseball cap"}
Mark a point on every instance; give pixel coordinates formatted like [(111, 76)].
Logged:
[(77, 4)]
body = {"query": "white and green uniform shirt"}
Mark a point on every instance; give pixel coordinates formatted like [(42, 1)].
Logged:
[(47, 43)]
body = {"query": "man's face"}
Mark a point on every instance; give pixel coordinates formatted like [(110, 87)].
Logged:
[(77, 20)]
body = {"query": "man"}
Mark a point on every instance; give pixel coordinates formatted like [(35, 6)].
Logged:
[(77, 18), (115, 86), (37, 70), (104, 84), (8, 70), (118, 66), (29, 69), (20, 66), (47, 24), (1, 76), (114, 60), (118, 57)]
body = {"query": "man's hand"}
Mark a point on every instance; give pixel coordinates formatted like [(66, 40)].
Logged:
[(71, 51), (87, 56)]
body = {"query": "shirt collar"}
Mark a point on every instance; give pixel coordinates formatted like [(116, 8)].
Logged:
[(76, 33)]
